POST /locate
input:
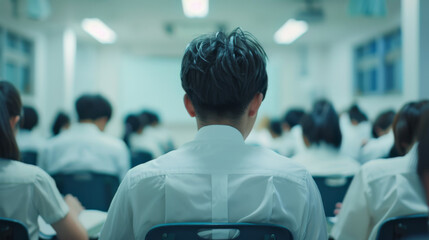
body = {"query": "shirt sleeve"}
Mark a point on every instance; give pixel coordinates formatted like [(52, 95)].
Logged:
[(119, 224), (315, 225), (48, 200), (354, 218)]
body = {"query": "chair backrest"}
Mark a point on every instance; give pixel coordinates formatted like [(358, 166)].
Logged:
[(140, 157), (94, 190), (241, 231), (29, 157), (403, 227), (11, 229), (332, 189)]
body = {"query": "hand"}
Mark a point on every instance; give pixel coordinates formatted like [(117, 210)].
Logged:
[(338, 208), (75, 206)]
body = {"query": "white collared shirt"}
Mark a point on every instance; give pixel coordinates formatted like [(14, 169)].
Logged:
[(27, 192), (217, 178), (377, 148), (325, 160), (29, 141), (380, 190), (84, 147)]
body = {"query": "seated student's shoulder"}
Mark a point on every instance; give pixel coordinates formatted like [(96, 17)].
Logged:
[(382, 168), (112, 142), (17, 172)]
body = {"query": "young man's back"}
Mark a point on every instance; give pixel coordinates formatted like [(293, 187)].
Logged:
[(216, 177)]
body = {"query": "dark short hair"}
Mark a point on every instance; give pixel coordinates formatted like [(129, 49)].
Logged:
[(423, 147), (150, 116), (10, 106), (61, 120), (30, 119), (322, 125), (356, 114), (93, 107), (276, 127), (406, 124), (383, 122), (293, 117), (222, 73)]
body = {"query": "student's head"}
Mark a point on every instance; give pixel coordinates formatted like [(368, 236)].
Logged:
[(423, 153), (132, 123), (322, 125), (29, 119), (61, 122), (356, 115), (383, 123), (292, 118), (151, 117), (10, 111), (94, 109), (406, 124), (225, 79), (275, 128)]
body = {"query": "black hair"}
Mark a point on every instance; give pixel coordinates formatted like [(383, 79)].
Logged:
[(30, 118), (93, 107), (151, 117), (276, 127), (322, 125), (423, 147), (10, 106), (406, 124), (383, 122), (132, 125), (222, 73), (293, 117), (61, 120), (356, 114)]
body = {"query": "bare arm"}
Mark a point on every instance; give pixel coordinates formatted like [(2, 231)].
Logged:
[(69, 227)]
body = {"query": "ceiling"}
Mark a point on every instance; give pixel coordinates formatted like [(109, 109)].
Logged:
[(161, 25)]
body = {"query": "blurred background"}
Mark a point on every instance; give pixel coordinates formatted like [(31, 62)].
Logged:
[(371, 52)]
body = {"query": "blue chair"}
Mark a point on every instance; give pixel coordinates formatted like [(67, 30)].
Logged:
[(194, 231), (29, 157), (94, 190), (140, 157), (11, 229), (404, 227), (332, 190)]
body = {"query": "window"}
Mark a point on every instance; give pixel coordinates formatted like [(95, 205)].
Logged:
[(378, 65), (17, 60)]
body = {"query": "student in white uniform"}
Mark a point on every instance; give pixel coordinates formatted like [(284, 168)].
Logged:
[(384, 188), (85, 147), (26, 191), (381, 143), (322, 136), (217, 177), (292, 132), (29, 140)]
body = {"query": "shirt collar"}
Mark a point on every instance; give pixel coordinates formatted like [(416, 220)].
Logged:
[(222, 133), (86, 127)]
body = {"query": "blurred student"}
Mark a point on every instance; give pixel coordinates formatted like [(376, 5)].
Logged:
[(85, 147), (356, 131), (322, 136), (132, 126), (217, 177), (27, 139), (27, 191), (292, 132), (146, 139), (61, 123), (385, 188), (383, 139)]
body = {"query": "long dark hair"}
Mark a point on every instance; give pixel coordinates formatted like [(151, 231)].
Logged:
[(10, 106)]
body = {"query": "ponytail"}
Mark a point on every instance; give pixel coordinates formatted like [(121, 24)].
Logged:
[(10, 106)]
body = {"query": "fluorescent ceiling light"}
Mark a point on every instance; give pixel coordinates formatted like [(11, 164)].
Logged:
[(100, 31), (195, 8), (290, 31)]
